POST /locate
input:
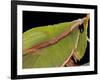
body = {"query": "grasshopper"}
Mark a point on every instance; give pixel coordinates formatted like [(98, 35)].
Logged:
[(55, 45)]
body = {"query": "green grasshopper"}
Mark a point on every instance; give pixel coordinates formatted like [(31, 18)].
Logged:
[(55, 45)]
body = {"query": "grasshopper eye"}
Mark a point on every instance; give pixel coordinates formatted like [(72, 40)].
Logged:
[(81, 28)]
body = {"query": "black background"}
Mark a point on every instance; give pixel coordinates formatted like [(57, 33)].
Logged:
[(35, 19)]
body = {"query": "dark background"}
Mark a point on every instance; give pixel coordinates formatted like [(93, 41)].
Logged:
[(35, 19)]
